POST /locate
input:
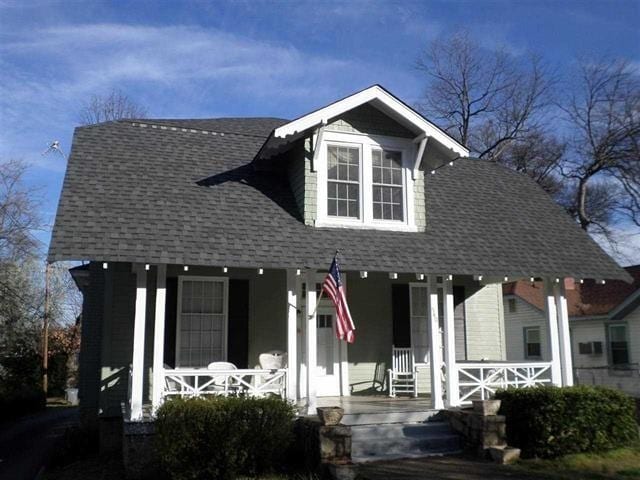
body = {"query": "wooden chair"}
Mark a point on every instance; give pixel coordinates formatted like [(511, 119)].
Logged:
[(403, 377)]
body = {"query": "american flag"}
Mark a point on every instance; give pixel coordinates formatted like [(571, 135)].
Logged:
[(333, 287)]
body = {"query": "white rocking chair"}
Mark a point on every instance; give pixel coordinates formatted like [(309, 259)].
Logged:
[(403, 376)]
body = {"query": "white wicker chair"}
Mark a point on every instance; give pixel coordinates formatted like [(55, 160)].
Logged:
[(272, 360)]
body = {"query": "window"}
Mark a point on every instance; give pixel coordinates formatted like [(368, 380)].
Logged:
[(532, 347), (388, 196), (419, 311), (202, 321), (343, 181), (366, 181), (618, 346), (512, 305)]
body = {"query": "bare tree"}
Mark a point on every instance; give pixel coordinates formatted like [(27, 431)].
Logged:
[(18, 213), (484, 98), (538, 155), (113, 106), (603, 167)]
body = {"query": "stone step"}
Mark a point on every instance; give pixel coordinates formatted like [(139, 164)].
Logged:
[(398, 430), (391, 448), (399, 416)]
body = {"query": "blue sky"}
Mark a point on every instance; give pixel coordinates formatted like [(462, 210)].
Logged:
[(256, 58)]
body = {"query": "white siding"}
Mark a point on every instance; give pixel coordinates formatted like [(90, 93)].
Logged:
[(583, 331), (526, 315)]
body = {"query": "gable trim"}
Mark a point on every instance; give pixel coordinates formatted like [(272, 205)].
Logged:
[(378, 94)]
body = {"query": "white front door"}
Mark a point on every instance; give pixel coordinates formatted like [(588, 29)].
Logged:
[(328, 356)]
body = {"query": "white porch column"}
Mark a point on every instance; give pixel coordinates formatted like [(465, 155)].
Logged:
[(137, 369), (292, 335), (311, 347), (435, 355), (554, 342), (450, 345), (565, 337), (158, 336)]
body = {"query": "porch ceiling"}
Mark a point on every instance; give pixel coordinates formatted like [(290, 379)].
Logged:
[(169, 192)]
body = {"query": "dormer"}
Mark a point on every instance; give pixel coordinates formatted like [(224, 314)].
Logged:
[(360, 162)]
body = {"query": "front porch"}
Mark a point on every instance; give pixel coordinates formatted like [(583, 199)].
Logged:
[(451, 368)]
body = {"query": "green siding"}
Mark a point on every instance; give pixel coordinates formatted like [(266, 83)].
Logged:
[(370, 120)]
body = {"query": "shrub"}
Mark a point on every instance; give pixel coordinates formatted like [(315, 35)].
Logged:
[(21, 400), (219, 437), (548, 422)]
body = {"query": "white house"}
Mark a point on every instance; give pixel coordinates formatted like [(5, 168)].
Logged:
[(604, 321)]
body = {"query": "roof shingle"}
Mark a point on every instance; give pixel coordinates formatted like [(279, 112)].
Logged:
[(172, 195)]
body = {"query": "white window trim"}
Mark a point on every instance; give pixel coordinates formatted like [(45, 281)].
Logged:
[(609, 326), (525, 331), (366, 143), (225, 312)]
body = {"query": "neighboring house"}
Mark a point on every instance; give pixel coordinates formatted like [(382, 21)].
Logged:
[(202, 236), (605, 329)]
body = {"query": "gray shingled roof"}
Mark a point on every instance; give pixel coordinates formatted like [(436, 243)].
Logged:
[(167, 194)]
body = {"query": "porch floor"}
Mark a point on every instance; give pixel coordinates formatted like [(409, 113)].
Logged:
[(361, 404)]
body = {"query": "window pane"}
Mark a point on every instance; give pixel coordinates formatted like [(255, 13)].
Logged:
[(618, 333), (332, 207), (533, 335), (342, 208), (397, 212)]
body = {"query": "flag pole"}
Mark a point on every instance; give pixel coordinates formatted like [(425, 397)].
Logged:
[(335, 256)]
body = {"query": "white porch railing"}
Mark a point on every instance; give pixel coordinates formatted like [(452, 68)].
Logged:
[(184, 382), (480, 380)]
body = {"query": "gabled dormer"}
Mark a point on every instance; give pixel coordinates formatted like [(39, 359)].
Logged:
[(360, 162)]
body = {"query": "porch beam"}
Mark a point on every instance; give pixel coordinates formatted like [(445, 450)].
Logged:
[(435, 353), (564, 334), (292, 334), (311, 347), (137, 368), (158, 336), (551, 312), (450, 346)]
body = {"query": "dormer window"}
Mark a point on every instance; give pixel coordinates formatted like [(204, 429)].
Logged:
[(364, 181), (387, 185), (343, 181)]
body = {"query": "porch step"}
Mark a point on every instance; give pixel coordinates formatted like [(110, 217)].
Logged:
[(388, 441), (380, 418)]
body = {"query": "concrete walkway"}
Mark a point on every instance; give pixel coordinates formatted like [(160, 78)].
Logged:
[(26, 444), (439, 468)]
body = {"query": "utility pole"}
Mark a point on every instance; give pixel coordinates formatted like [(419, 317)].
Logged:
[(45, 331)]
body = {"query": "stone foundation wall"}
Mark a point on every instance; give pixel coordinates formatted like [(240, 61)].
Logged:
[(322, 444), (483, 433)]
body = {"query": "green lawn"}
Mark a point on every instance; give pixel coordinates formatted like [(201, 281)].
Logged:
[(622, 463)]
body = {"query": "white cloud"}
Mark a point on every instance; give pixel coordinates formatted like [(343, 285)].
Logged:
[(46, 75)]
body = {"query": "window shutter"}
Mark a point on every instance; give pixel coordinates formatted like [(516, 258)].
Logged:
[(170, 316), (460, 322), (238, 334), (401, 315)]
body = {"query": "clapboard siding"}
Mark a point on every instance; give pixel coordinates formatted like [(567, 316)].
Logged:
[(485, 324), (525, 315)]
